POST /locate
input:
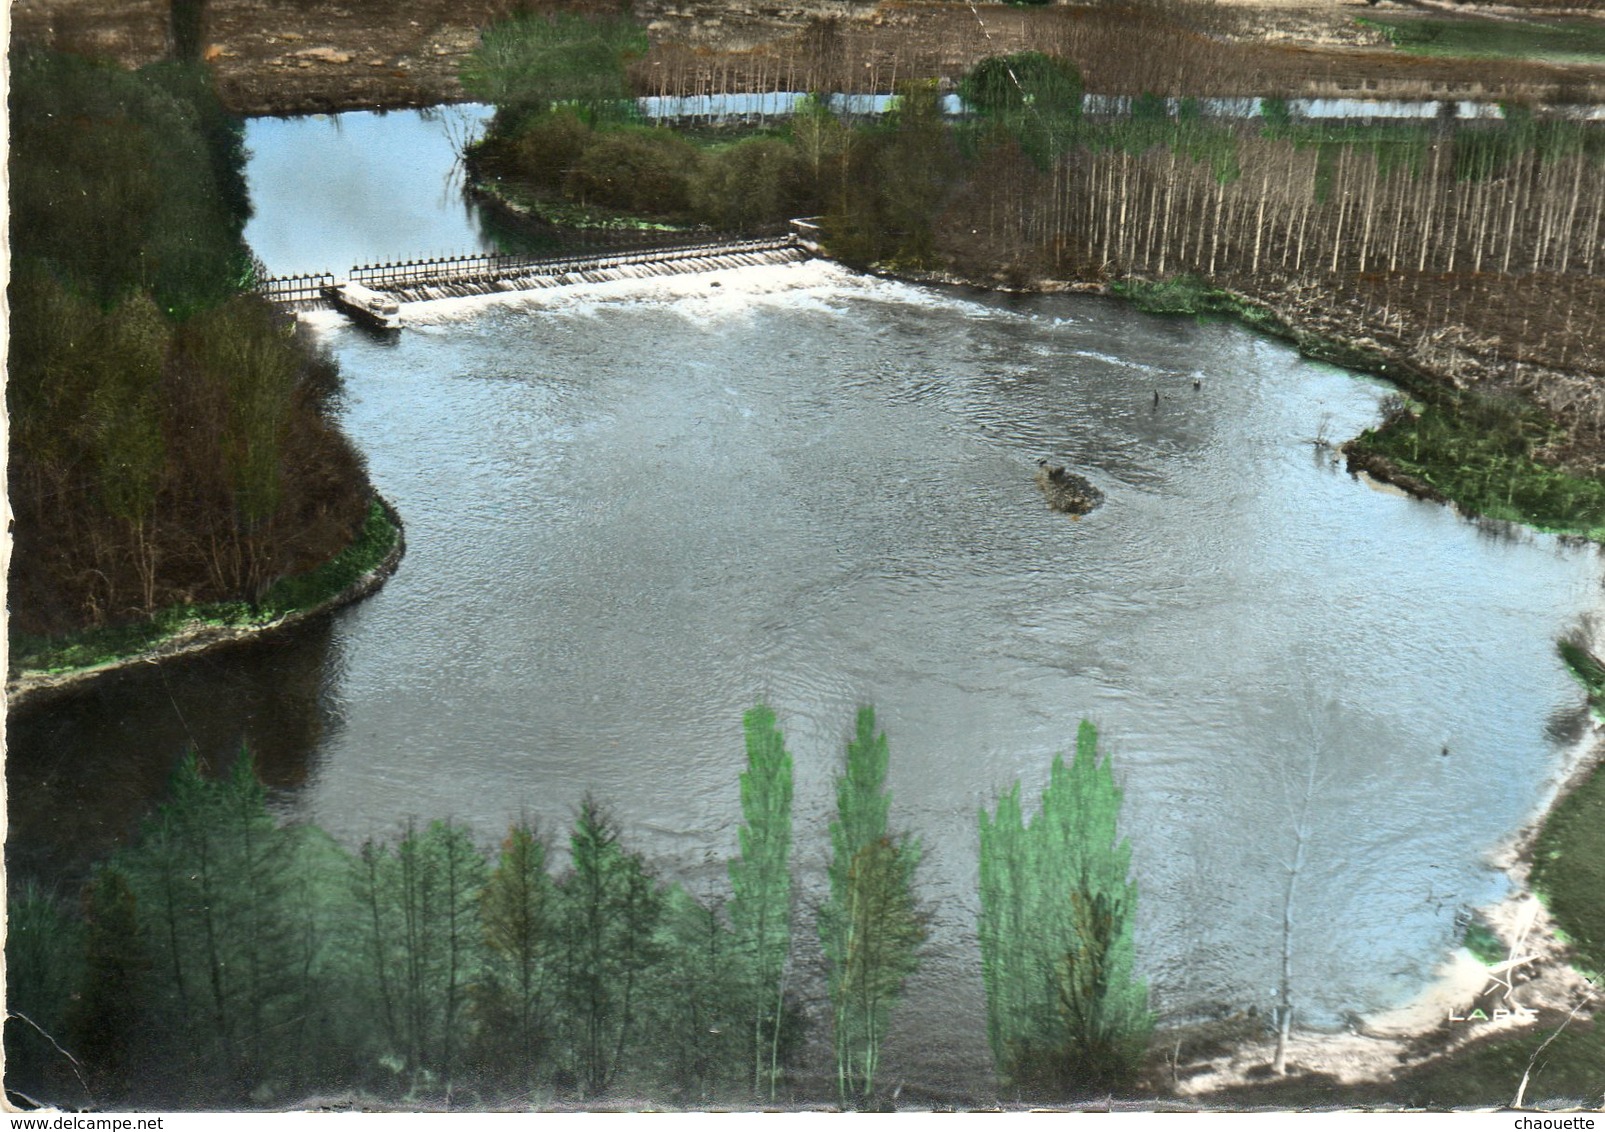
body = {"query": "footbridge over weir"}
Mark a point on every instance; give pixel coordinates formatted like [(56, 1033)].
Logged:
[(414, 281)]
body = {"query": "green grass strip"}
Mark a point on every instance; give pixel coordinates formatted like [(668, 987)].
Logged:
[(1480, 452), (288, 595), (1569, 870), (1476, 451), (1553, 41)]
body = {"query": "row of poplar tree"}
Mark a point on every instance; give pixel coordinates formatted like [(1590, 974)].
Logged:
[(225, 958)]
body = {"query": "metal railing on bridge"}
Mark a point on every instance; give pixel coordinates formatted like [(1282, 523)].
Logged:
[(488, 267), (295, 288), (492, 267)]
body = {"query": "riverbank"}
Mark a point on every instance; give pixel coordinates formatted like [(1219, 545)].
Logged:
[(1437, 1038), (43, 670), (1462, 425)]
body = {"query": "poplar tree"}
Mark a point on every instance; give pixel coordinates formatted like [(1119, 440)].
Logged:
[(872, 928), (760, 884), (1064, 1009)]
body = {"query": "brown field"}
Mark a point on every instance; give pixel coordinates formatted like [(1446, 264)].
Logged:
[(289, 56)]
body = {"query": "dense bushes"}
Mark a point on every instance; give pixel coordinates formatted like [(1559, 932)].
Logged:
[(634, 169), (170, 436), (526, 63), (751, 184), (1483, 452), (561, 163)]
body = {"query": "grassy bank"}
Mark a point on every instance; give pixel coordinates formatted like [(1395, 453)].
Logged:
[(300, 593), (1569, 872), (1484, 454), (1553, 41)]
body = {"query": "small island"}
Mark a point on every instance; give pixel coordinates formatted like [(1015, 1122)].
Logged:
[(1066, 491)]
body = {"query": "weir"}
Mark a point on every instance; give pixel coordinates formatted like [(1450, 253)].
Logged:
[(413, 281)]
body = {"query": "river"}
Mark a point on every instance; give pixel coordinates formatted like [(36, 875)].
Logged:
[(635, 509)]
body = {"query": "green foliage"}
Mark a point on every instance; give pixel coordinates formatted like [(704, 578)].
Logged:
[(547, 146), (365, 553), (1034, 98), (610, 908), (86, 387), (872, 928), (44, 963), (1004, 84), (893, 180), (694, 1003), (211, 879), (1149, 124), (1278, 115), (106, 1018), (222, 135), (125, 411), (242, 342), (1149, 108), (755, 183), (1589, 670), (288, 595), (822, 143), (1484, 944), (115, 182), (1187, 294), (425, 947), (1579, 41), (512, 1000), (1065, 1012), (170, 436), (635, 169), (760, 886), (1483, 453), (531, 61), (1569, 869)]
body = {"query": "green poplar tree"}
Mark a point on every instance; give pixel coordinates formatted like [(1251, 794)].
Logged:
[(760, 883), (1065, 1010), (871, 928)]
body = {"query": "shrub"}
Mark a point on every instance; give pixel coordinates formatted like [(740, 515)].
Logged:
[(754, 183), (549, 147), (636, 170)]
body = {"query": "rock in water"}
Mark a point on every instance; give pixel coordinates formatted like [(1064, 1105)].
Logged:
[(1066, 491)]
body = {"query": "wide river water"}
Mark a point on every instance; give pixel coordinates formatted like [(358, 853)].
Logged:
[(635, 509)]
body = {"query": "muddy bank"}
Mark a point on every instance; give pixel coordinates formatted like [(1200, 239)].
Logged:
[(32, 687)]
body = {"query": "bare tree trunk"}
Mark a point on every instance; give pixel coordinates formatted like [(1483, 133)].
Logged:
[(1295, 868)]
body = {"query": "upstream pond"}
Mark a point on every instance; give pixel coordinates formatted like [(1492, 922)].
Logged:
[(635, 509)]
